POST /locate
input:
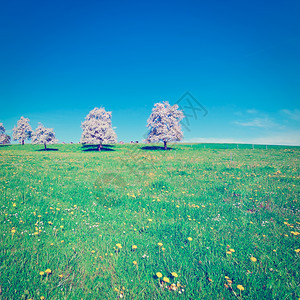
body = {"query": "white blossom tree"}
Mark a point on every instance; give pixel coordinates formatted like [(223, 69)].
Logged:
[(97, 128), (43, 136), (4, 138), (23, 131), (164, 124)]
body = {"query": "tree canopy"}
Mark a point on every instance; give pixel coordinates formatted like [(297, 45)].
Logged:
[(164, 124)]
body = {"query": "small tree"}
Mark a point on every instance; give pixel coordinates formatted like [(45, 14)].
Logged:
[(44, 136), (97, 128), (164, 124), (4, 138), (23, 131)]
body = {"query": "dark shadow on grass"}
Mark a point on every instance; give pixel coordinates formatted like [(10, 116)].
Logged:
[(89, 148), (48, 149), (155, 148), (5, 145)]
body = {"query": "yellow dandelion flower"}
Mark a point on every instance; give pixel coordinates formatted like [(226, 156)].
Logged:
[(42, 273), (134, 247), (231, 250), (134, 262), (240, 287), (119, 246), (150, 220), (159, 275), (160, 244), (253, 259), (166, 279), (189, 239), (174, 274), (48, 271), (297, 250)]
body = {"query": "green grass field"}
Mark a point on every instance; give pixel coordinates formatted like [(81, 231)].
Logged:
[(213, 221)]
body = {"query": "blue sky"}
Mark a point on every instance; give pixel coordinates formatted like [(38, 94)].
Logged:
[(239, 59)]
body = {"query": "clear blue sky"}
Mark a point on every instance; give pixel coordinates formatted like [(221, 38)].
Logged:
[(239, 59)]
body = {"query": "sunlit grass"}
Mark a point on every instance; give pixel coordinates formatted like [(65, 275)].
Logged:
[(193, 222)]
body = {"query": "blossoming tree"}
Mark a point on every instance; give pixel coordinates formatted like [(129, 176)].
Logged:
[(4, 138), (164, 124), (97, 128), (23, 130), (44, 136)]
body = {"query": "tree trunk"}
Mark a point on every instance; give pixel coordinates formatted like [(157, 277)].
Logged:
[(45, 147), (22, 142), (99, 147), (165, 145)]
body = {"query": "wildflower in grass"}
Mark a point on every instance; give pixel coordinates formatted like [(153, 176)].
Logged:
[(14, 205), (42, 273), (48, 271), (159, 275), (60, 275), (297, 250), (134, 247), (166, 279), (189, 239), (241, 288), (134, 262), (119, 246), (231, 250), (150, 220), (253, 259), (160, 244), (228, 252), (174, 274), (42, 298)]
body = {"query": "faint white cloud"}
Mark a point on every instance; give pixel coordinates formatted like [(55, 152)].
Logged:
[(292, 114), (252, 111), (257, 122)]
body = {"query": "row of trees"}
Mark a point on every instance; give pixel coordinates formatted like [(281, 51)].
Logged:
[(163, 123)]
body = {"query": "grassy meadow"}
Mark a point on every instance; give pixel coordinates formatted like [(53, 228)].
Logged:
[(136, 222)]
